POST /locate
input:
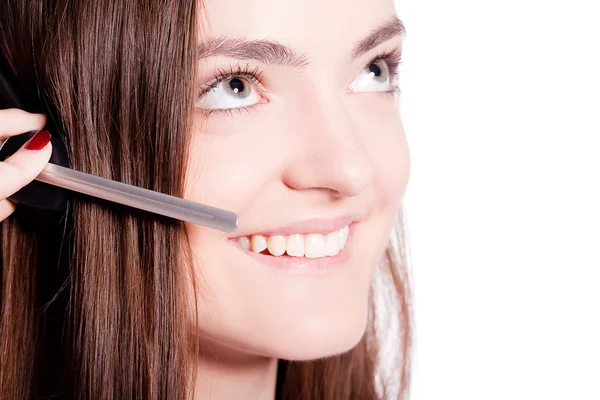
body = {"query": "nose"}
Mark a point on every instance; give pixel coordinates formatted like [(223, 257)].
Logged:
[(329, 154)]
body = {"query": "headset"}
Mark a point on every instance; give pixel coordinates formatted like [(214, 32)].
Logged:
[(46, 197), (49, 201)]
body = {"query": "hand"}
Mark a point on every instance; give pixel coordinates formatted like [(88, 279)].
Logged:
[(26, 164)]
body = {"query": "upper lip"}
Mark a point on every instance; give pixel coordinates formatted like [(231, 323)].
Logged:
[(314, 225)]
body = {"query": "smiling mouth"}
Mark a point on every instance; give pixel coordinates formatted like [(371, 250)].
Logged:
[(308, 245)]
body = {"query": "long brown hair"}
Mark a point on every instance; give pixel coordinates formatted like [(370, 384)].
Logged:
[(93, 308)]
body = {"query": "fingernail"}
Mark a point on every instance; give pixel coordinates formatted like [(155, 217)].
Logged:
[(39, 140)]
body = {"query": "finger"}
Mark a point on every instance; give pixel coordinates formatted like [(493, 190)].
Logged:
[(14, 122), (7, 207), (27, 163)]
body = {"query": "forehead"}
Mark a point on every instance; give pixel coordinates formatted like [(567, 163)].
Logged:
[(311, 26)]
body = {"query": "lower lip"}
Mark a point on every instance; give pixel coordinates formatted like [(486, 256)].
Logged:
[(303, 264)]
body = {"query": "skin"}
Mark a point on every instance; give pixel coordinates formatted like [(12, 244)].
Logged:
[(310, 149)]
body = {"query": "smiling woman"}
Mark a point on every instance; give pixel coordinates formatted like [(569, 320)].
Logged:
[(271, 109)]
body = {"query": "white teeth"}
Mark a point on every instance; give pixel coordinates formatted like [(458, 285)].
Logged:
[(332, 243), (314, 245), (258, 243), (295, 245), (244, 242), (344, 236), (277, 245)]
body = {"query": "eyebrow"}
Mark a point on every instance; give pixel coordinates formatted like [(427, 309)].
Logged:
[(382, 34), (272, 52), (264, 51)]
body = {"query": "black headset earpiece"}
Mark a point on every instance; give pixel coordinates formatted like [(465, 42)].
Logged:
[(46, 203)]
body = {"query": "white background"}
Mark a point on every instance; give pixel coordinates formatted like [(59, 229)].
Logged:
[(501, 103)]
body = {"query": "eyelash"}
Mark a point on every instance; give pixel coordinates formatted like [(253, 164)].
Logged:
[(391, 58)]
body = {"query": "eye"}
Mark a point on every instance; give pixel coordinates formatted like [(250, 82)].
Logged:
[(375, 77), (229, 93)]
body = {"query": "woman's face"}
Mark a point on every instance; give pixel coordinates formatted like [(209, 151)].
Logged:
[(297, 130)]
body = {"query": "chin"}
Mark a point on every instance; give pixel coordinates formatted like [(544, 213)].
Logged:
[(295, 333), (320, 336)]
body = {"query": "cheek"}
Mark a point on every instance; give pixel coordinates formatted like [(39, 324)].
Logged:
[(385, 140), (225, 168), (392, 165)]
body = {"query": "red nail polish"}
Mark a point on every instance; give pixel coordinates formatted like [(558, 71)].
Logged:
[(39, 140)]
